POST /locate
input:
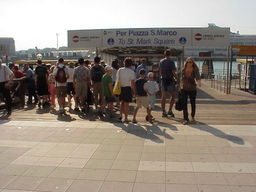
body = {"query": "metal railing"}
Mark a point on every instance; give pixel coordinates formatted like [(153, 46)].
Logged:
[(223, 84)]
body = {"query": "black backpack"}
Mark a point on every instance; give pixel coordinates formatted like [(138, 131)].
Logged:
[(97, 73), (61, 76)]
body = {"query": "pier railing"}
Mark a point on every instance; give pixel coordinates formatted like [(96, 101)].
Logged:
[(223, 84)]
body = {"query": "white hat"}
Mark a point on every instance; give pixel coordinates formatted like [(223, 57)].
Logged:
[(108, 68)]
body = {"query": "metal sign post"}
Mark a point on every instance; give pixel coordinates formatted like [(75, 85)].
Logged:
[(227, 77)]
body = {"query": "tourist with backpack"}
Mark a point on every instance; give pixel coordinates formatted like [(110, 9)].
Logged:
[(61, 75), (97, 72)]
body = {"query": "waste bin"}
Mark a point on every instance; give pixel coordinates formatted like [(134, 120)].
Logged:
[(252, 79)]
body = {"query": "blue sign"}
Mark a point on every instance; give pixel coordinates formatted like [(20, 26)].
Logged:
[(111, 41), (183, 40)]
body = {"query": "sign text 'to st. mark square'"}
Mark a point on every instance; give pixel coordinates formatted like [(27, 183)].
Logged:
[(155, 37)]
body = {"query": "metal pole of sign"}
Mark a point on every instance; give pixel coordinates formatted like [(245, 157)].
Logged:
[(227, 75), (183, 57), (6, 59), (181, 62), (97, 51), (230, 76), (246, 71)]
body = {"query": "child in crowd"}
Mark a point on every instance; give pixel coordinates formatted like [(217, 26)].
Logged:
[(141, 97), (107, 87), (151, 87)]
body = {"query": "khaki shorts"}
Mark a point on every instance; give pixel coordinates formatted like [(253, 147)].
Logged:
[(97, 89), (81, 89), (61, 91), (142, 101)]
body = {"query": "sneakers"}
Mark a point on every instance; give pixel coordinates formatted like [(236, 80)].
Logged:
[(100, 114), (77, 110), (150, 119), (8, 113), (111, 116), (164, 114), (171, 114), (193, 119), (185, 122), (134, 121), (62, 112)]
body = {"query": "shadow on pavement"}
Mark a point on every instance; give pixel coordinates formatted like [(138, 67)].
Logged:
[(151, 132), (203, 95), (4, 118), (217, 133), (65, 117), (225, 102)]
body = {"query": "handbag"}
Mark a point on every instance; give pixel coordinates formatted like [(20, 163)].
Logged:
[(179, 104), (117, 88)]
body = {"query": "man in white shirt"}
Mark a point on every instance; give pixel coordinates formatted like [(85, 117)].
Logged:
[(5, 76), (70, 85)]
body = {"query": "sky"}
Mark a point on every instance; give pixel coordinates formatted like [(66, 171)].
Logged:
[(35, 23)]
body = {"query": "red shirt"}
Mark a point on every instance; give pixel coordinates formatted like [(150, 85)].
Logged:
[(18, 74)]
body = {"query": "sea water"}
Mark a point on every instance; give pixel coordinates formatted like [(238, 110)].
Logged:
[(220, 67)]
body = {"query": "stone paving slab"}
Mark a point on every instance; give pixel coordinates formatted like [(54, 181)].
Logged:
[(101, 156)]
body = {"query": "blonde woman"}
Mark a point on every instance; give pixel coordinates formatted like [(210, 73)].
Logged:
[(190, 80)]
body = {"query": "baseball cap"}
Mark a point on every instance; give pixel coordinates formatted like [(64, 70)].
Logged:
[(142, 72), (108, 68)]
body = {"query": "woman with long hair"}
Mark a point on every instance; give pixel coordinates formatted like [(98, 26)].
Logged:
[(190, 80)]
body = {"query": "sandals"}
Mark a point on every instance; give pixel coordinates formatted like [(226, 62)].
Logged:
[(185, 122), (126, 121), (134, 121)]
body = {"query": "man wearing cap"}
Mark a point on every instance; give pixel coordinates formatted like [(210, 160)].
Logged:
[(143, 66), (5, 76)]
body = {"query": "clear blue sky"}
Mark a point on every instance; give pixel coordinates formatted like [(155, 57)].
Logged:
[(35, 22)]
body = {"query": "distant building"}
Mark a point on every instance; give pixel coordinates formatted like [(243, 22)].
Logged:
[(237, 39), (7, 46)]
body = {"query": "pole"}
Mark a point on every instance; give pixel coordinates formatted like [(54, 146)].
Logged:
[(246, 71), (57, 38), (6, 59), (230, 76), (227, 75)]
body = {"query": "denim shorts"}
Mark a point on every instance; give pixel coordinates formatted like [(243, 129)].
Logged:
[(168, 85)]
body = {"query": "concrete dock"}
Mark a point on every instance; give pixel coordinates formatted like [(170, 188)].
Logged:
[(42, 152)]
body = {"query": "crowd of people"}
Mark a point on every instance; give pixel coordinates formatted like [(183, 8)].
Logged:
[(84, 84)]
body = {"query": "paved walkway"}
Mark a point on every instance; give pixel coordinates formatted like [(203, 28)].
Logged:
[(39, 152)]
